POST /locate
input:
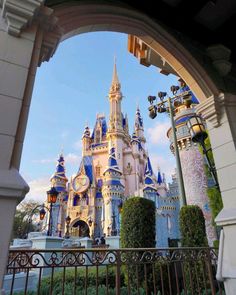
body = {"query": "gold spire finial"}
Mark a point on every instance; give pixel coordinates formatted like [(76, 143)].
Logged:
[(115, 79)]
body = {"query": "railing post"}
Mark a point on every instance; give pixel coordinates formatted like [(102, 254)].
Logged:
[(118, 265), (209, 266)]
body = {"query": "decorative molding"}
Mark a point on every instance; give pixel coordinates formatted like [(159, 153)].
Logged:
[(210, 110), (220, 56), (19, 13)]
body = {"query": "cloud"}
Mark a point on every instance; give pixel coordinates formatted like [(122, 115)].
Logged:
[(69, 158), (38, 188), (157, 134), (78, 145), (72, 158), (44, 161)]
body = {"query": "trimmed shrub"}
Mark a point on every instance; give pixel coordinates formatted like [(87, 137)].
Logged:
[(138, 231), (138, 223), (192, 226)]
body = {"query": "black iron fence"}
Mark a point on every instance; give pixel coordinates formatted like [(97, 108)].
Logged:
[(114, 271)]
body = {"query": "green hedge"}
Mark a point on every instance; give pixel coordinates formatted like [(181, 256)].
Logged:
[(138, 223), (192, 226)]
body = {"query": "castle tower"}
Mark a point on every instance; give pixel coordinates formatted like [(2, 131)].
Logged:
[(59, 179), (138, 126), (192, 162), (112, 192), (116, 133), (86, 140), (59, 182)]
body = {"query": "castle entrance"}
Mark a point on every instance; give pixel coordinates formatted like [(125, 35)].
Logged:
[(80, 229)]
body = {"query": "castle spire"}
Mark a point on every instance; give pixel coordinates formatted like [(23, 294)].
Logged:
[(59, 178), (115, 79)]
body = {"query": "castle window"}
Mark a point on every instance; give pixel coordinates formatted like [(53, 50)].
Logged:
[(98, 170)]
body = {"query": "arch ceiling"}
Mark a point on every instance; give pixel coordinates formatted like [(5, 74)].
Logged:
[(206, 21)]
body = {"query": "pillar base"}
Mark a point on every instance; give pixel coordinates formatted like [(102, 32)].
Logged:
[(226, 271), (13, 189)]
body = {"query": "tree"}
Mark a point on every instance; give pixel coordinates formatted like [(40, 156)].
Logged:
[(21, 224), (138, 231), (138, 223), (192, 226)]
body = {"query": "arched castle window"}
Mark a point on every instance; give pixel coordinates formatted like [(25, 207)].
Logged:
[(98, 170)]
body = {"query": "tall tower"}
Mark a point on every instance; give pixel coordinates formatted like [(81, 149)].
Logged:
[(112, 192), (59, 181), (192, 163), (115, 133)]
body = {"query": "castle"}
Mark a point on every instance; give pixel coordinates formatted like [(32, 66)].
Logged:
[(114, 166)]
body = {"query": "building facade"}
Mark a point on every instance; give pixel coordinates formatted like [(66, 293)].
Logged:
[(114, 166)]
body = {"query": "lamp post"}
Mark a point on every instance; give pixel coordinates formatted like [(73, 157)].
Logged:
[(68, 220), (113, 226), (162, 108), (199, 135), (51, 198)]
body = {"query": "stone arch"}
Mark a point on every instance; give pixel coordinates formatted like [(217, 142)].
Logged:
[(40, 29), (74, 19)]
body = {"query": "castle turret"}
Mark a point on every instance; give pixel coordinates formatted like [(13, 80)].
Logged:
[(59, 182), (138, 126), (112, 192), (192, 161), (116, 133), (59, 179), (150, 187), (86, 141)]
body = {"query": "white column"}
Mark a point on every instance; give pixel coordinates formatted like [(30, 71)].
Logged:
[(18, 62), (221, 121)]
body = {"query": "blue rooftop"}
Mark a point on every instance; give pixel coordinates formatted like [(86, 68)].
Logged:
[(87, 163), (60, 169), (101, 120), (159, 177)]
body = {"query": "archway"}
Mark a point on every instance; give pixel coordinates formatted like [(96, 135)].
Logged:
[(80, 229), (37, 43)]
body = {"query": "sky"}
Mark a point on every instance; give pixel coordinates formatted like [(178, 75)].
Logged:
[(71, 89)]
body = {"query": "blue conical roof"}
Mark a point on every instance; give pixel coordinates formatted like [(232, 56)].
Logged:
[(159, 177), (148, 177), (59, 176), (60, 169), (112, 163)]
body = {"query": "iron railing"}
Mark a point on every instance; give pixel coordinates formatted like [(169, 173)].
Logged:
[(167, 271)]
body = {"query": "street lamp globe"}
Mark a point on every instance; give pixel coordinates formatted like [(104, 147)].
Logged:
[(42, 213), (197, 129), (52, 195)]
